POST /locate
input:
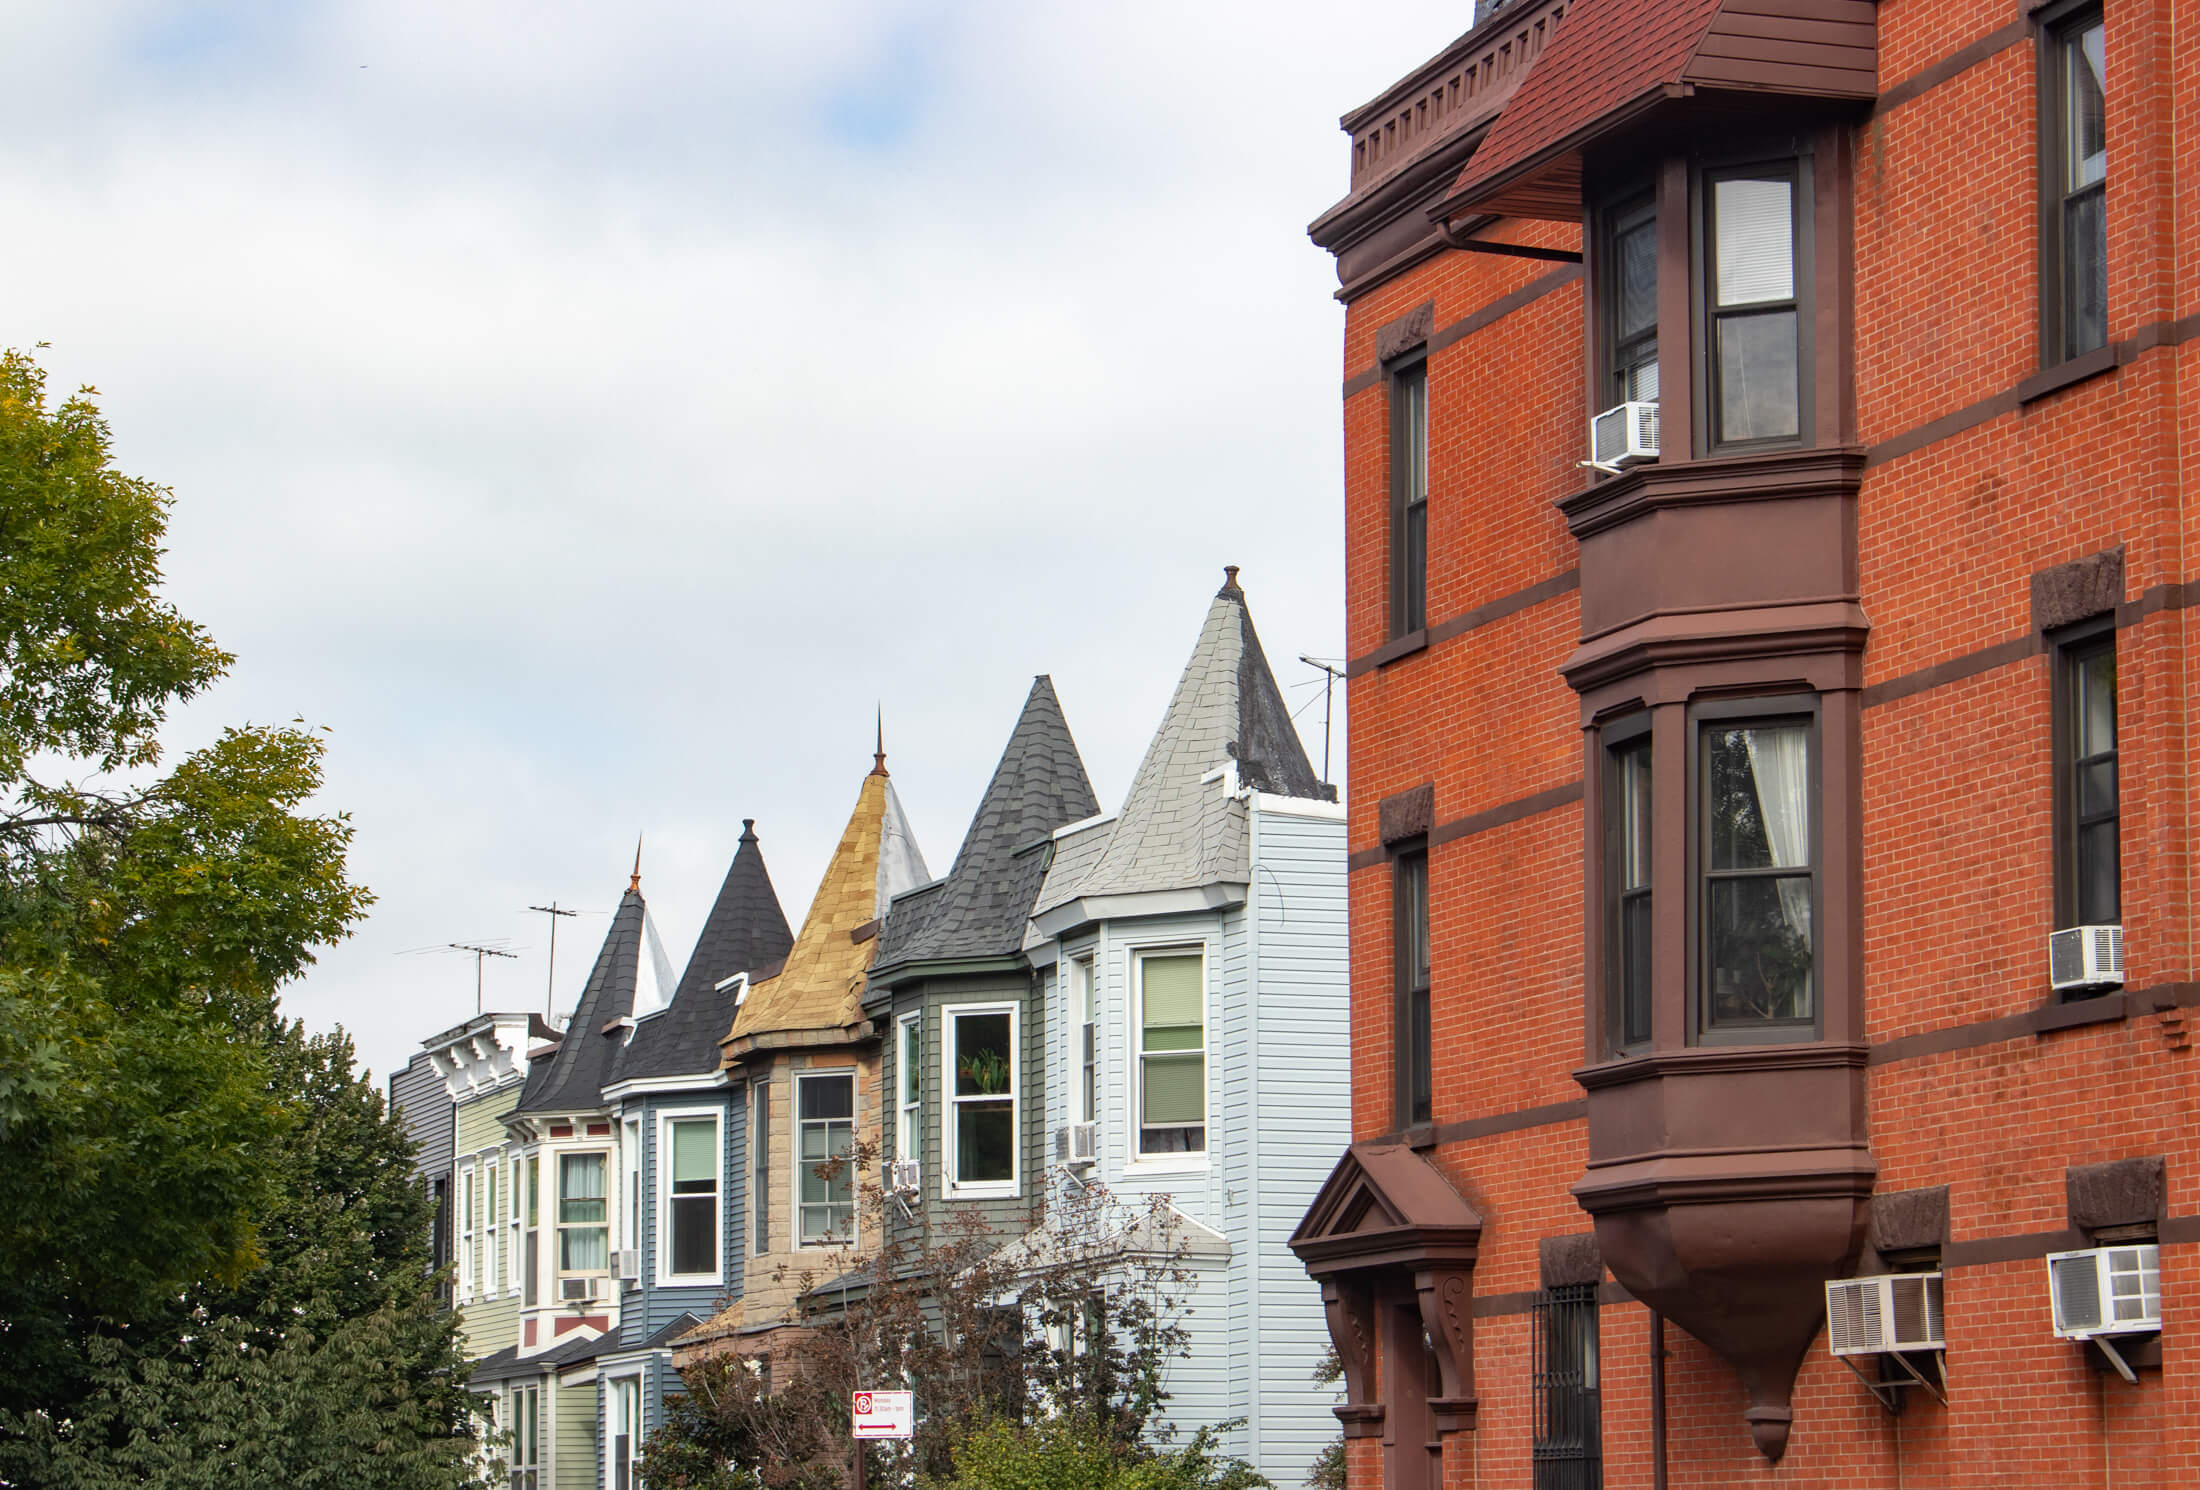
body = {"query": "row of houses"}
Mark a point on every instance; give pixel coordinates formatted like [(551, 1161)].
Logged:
[(1153, 1000)]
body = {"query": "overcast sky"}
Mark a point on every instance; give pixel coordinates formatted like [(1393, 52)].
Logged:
[(591, 412)]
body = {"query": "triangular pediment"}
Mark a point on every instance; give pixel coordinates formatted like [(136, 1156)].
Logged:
[(1380, 1190)]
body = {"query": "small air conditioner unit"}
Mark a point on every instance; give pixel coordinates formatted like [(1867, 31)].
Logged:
[(627, 1263), (2086, 957), (1624, 435), (576, 1290), (902, 1176), (1876, 1316), (1075, 1144), (2106, 1291)]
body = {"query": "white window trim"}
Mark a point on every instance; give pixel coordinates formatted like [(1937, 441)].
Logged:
[(558, 1225), (1084, 1008), (908, 1118), (1136, 1162), (628, 1233), (610, 1399), (664, 1275), (795, 1166), (953, 1186), (516, 1259), (467, 1215), (491, 1219)]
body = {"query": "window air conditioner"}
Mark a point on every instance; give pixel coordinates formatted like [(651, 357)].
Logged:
[(576, 1290), (1875, 1316), (1624, 435), (627, 1263), (1074, 1144), (902, 1177), (2106, 1291), (2086, 957)]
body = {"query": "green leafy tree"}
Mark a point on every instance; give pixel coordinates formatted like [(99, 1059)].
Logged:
[(213, 1260)]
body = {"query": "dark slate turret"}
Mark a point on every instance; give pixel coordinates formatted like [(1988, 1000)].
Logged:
[(979, 909), (572, 1079), (746, 932)]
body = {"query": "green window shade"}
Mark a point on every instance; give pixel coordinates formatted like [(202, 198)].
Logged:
[(694, 1153), (1175, 1090), (1173, 997)]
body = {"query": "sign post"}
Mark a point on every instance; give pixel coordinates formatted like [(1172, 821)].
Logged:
[(882, 1415)]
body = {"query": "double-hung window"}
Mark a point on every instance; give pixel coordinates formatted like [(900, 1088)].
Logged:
[(492, 1229), (524, 1416), (630, 1184), (981, 1080), (2074, 179), (584, 1232), (626, 1433), (515, 1179), (1088, 1031), (1757, 855), (760, 1185), (688, 1160), (1755, 361), (469, 1257), (2089, 882), (909, 1080), (1409, 497), (1631, 299), (532, 1248), (825, 1130), (1627, 925), (1409, 913), (1172, 1052)]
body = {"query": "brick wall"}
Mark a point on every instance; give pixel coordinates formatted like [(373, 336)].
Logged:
[(1956, 825)]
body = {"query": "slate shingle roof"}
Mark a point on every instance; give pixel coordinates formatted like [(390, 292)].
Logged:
[(572, 1077), (821, 985), (745, 932), (980, 909), (1178, 830)]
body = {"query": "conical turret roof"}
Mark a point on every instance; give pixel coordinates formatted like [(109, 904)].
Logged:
[(1179, 829), (746, 932), (821, 986), (631, 964), (980, 908)]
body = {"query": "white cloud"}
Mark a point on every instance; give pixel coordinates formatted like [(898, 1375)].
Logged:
[(591, 412)]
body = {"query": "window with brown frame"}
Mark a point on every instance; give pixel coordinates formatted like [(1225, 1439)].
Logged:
[(1409, 909), (1753, 329), (2088, 867), (1627, 835), (2073, 182), (1409, 497), (1631, 303), (1756, 858)]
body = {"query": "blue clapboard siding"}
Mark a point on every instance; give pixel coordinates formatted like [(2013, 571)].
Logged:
[(648, 1309)]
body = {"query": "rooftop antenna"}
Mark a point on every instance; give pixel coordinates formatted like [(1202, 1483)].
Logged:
[(550, 992), (479, 953), (1330, 674)]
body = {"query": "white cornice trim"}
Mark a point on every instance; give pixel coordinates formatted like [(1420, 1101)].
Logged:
[(636, 1086), (1275, 806), (1220, 895)]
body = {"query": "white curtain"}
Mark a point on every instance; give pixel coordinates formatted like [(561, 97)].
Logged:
[(1779, 759)]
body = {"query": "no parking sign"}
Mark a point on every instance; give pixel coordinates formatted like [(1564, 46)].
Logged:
[(886, 1414)]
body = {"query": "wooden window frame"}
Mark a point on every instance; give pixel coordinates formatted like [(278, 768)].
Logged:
[(1413, 1044), (1623, 215), (667, 1119), (952, 1103), (2056, 24), (1768, 710), (560, 1226), (1408, 571), (1624, 736), (796, 1122), (1164, 1159), (909, 1108), (760, 1176), (1706, 171), (2070, 648)]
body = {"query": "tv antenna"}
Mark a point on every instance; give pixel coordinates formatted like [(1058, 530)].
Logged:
[(479, 952), (1330, 674), (550, 992)]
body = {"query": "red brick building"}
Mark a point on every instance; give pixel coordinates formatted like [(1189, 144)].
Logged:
[(1713, 804)]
